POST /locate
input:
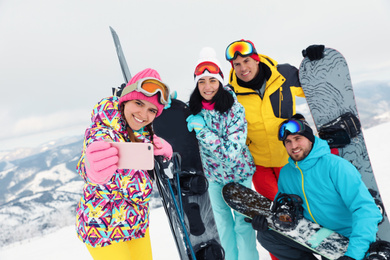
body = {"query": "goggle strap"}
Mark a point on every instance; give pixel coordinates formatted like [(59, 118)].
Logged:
[(129, 89)]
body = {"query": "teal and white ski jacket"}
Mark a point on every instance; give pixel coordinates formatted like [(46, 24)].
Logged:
[(334, 196), (222, 142)]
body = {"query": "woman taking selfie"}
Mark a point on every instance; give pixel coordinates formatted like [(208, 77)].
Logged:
[(113, 213)]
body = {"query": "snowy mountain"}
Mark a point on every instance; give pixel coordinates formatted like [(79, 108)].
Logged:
[(39, 192), (372, 100)]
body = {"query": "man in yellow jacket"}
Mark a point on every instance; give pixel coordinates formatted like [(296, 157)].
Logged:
[(267, 90)]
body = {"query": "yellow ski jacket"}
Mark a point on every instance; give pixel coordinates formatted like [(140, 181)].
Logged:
[(265, 114)]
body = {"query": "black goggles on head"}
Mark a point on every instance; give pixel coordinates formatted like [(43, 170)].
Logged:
[(291, 126)]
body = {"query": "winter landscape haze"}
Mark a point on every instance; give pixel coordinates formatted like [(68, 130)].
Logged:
[(58, 58)]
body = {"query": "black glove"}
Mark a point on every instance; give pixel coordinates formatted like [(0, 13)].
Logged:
[(259, 223), (344, 257), (314, 52)]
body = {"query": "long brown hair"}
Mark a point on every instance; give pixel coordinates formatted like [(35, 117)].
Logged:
[(130, 132)]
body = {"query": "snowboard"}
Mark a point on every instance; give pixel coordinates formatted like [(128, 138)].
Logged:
[(320, 240), (329, 94), (189, 183)]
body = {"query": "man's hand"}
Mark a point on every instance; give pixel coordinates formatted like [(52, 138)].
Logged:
[(259, 223), (314, 52)]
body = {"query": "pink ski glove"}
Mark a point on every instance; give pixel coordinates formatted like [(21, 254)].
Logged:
[(162, 147), (102, 160)]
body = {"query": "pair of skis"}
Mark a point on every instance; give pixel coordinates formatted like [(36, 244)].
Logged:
[(168, 183)]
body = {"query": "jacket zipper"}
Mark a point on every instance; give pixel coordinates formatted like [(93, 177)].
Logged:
[(280, 101), (303, 190)]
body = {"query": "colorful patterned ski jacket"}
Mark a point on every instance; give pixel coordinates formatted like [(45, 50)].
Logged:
[(225, 156), (334, 196), (265, 114), (119, 210)]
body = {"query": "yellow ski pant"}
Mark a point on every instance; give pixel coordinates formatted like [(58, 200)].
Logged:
[(135, 249)]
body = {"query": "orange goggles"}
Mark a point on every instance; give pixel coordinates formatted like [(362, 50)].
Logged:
[(209, 66), (242, 48), (149, 87)]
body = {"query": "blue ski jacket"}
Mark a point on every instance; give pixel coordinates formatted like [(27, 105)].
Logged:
[(334, 196), (222, 143)]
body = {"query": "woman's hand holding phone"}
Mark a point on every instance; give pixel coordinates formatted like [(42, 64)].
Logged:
[(101, 161)]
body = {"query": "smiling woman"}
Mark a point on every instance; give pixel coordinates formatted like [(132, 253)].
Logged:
[(113, 214), (221, 129)]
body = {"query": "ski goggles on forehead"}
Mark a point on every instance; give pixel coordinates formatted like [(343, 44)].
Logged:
[(209, 66), (242, 48), (149, 87), (291, 126)]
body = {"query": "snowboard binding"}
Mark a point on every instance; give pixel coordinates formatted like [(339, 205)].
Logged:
[(193, 183), (339, 132), (379, 250), (287, 211), (210, 250)]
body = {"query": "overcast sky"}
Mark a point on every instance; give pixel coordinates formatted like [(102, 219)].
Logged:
[(57, 58)]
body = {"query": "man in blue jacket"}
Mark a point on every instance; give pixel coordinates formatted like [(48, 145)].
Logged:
[(332, 191)]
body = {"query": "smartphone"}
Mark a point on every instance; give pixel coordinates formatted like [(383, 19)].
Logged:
[(138, 156)]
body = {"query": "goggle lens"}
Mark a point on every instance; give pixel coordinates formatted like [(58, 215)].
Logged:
[(290, 127), (149, 87), (242, 48), (152, 86), (210, 66)]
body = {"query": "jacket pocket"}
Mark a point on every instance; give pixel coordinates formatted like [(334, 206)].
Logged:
[(99, 213)]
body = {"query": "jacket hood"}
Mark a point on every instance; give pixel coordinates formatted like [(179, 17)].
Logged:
[(107, 113)]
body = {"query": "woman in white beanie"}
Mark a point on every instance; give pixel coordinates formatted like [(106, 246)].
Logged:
[(221, 129)]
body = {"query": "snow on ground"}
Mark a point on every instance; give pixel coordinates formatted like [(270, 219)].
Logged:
[(64, 244)]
